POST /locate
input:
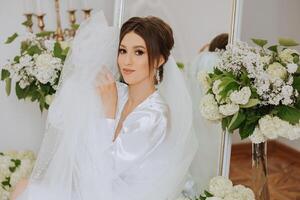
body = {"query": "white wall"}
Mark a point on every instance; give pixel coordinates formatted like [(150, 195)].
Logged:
[(21, 123), (270, 19)]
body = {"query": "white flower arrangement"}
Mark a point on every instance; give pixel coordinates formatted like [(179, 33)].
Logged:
[(255, 90), (14, 166), (36, 71), (221, 188)]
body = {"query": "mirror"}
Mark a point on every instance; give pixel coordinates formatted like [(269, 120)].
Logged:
[(194, 25)]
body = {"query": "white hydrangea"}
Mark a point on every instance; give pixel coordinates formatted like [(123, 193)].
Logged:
[(220, 186), (292, 133), (203, 79), (229, 109), (267, 127), (209, 108), (240, 192), (26, 61), (292, 68), (241, 97), (276, 70), (49, 44), (287, 92), (257, 136)]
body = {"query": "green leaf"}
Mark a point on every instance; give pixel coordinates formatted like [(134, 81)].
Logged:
[(288, 113), (273, 48), (259, 42), (4, 74), (8, 86), (11, 38), (12, 169), (24, 46), (75, 26), (227, 88), (17, 59), (65, 51), (27, 23), (225, 122), (1, 154), (287, 42), (251, 103), (246, 130), (296, 59), (207, 194), (296, 83), (44, 33), (180, 65), (57, 50), (34, 50), (236, 121), (202, 197)]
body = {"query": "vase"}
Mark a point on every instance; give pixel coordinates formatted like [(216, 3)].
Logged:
[(260, 171)]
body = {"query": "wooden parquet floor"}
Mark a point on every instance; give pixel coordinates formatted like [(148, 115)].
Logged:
[(283, 169)]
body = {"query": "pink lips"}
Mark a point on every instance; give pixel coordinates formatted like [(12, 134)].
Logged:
[(127, 71)]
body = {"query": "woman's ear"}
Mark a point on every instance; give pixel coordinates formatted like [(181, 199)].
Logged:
[(161, 61)]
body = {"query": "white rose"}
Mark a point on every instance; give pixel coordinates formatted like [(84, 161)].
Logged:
[(276, 70), (203, 79), (23, 83), (286, 55), (257, 136), (209, 108), (220, 186), (241, 97), (216, 88), (292, 68), (49, 99), (229, 109)]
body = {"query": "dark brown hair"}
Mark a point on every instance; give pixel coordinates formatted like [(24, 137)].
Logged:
[(158, 37), (219, 42)]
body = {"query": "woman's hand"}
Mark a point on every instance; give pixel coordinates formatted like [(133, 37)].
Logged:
[(19, 189), (107, 90)]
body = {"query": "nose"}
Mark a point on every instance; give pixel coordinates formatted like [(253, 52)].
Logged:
[(128, 59)]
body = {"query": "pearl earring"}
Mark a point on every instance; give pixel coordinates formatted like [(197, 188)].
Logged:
[(157, 76)]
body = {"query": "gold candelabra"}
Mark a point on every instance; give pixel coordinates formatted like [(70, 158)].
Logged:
[(59, 36), (29, 21), (41, 23), (87, 13)]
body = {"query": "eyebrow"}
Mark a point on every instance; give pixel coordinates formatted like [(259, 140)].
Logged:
[(135, 47)]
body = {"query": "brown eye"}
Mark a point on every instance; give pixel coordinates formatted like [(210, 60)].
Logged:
[(139, 52), (122, 51)]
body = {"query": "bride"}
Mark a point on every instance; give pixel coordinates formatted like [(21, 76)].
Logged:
[(110, 140)]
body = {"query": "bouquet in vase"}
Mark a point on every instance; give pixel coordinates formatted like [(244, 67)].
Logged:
[(255, 90)]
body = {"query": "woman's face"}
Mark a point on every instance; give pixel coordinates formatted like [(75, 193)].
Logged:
[(133, 59)]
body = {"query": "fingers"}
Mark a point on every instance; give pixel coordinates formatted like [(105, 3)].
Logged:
[(104, 77)]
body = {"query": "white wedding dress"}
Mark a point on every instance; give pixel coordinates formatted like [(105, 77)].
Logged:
[(78, 160)]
